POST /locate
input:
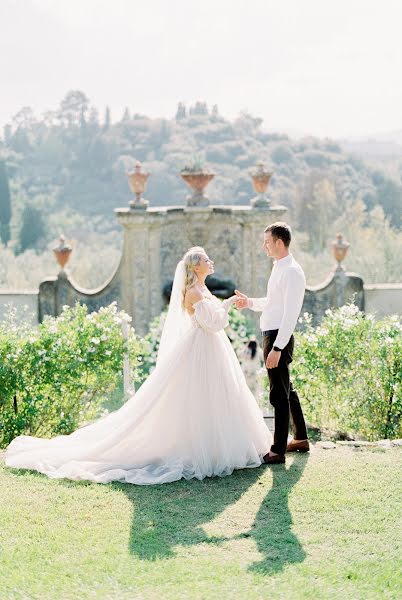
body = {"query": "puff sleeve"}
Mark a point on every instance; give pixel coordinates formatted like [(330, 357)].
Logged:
[(212, 316)]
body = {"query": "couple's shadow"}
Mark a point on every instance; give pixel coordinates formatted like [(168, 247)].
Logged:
[(169, 516)]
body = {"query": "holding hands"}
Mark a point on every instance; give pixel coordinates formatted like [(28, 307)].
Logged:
[(242, 301), (229, 301), (274, 356)]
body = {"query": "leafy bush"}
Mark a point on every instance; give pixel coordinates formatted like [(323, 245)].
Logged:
[(348, 372), (239, 330), (54, 377)]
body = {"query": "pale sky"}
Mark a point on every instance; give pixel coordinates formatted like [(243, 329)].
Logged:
[(325, 67)]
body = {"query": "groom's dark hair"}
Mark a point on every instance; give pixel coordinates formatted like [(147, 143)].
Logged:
[(280, 231)]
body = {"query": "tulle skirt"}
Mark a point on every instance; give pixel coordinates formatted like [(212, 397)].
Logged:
[(193, 417)]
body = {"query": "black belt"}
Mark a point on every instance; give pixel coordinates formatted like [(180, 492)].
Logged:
[(269, 332)]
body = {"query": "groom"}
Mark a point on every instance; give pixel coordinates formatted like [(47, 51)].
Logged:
[(280, 310)]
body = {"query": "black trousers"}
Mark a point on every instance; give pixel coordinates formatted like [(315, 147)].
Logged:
[(283, 397)]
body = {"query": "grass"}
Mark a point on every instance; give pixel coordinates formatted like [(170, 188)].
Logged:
[(323, 526)]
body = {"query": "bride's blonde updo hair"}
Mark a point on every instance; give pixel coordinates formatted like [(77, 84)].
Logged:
[(191, 259)]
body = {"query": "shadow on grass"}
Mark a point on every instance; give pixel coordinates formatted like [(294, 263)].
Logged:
[(171, 515), (272, 528), (168, 516)]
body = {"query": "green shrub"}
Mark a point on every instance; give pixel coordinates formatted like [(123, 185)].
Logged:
[(54, 377), (348, 372)]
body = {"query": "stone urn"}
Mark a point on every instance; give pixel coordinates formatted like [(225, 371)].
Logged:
[(198, 180), (340, 249), (62, 252), (137, 180), (260, 177)]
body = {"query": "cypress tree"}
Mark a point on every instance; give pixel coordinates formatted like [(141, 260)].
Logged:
[(5, 205), (32, 228)]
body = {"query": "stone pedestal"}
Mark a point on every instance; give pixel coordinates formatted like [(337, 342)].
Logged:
[(156, 239)]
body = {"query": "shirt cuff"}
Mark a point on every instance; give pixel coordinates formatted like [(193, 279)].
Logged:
[(258, 304)]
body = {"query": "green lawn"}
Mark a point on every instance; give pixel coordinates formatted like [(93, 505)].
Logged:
[(324, 526)]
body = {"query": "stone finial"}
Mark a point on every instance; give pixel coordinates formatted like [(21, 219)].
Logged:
[(340, 249), (137, 180), (197, 176), (62, 252), (260, 177)]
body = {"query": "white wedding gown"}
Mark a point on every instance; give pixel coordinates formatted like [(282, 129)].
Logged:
[(193, 417)]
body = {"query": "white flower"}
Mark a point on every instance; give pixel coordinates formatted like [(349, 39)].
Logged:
[(103, 337), (108, 352), (95, 340), (349, 323), (92, 350)]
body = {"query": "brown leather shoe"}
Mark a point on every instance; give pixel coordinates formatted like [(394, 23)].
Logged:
[(278, 459), (296, 446)]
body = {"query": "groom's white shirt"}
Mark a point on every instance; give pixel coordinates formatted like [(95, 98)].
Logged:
[(281, 307)]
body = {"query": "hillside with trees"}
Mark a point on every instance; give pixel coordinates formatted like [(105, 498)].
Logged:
[(65, 171)]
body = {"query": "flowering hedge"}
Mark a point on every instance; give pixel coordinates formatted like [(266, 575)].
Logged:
[(54, 377), (348, 372)]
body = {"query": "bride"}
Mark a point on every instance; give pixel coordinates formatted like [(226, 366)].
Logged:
[(193, 417)]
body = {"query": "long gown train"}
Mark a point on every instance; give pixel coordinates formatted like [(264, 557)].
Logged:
[(193, 417)]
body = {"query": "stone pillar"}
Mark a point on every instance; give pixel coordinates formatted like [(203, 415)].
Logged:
[(139, 270)]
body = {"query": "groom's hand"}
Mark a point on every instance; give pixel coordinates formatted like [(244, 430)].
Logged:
[(242, 300), (273, 359)]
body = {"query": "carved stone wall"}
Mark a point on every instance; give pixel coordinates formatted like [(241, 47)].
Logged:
[(55, 292), (341, 288), (155, 240)]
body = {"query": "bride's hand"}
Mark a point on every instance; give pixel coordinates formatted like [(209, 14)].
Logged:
[(231, 300)]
